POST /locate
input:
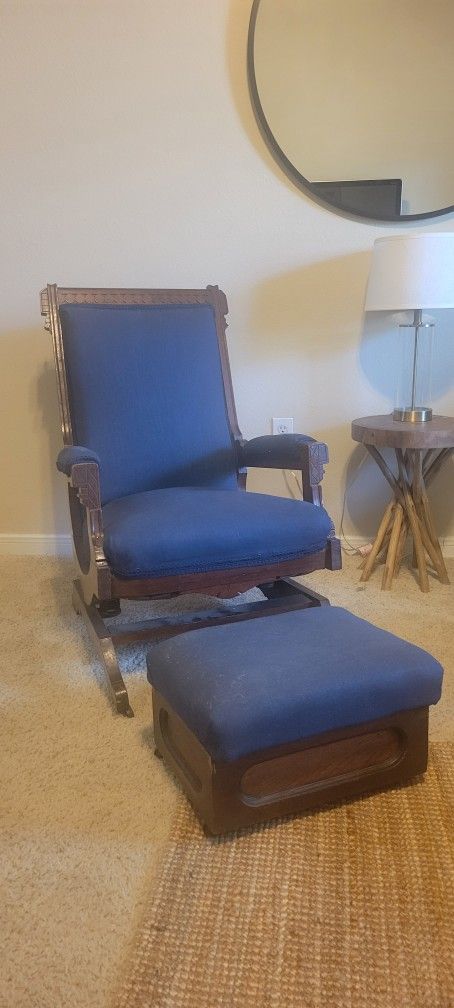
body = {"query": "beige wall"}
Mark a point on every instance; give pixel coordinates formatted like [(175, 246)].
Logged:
[(130, 156)]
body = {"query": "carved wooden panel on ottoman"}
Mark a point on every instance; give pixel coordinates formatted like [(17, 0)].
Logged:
[(289, 712)]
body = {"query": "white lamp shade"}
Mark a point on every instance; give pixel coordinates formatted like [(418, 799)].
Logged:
[(412, 271)]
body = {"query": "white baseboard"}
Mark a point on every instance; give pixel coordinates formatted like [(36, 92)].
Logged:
[(35, 544), (44, 544), (447, 544)]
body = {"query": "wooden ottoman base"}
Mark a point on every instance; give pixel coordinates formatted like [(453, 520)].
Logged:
[(294, 777)]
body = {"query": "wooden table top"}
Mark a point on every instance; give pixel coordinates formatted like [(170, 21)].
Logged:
[(383, 431)]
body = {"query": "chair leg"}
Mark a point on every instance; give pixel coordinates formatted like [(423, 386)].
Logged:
[(105, 646)]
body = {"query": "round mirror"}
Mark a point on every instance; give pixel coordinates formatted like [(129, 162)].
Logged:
[(355, 100)]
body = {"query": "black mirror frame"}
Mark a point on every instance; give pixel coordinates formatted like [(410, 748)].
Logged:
[(289, 168)]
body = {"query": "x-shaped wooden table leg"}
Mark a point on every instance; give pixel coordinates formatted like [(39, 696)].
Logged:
[(409, 512)]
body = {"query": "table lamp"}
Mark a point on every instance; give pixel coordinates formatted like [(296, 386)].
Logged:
[(413, 272)]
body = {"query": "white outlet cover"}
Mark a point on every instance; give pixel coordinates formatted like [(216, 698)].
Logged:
[(282, 425)]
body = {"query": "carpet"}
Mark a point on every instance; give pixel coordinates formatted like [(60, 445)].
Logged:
[(350, 906), (85, 808)]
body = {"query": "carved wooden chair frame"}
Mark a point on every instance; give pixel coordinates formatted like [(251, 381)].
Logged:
[(97, 592)]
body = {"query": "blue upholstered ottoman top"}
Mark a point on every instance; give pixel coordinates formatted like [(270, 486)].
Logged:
[(252, 685)]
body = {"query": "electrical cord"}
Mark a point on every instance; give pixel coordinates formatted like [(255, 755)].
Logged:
[(352, 549), (285, 473)]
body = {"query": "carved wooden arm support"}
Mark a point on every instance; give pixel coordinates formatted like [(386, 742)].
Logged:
[(84, 484), (84, 478), (81, 466), (314, 458), (288, 451)]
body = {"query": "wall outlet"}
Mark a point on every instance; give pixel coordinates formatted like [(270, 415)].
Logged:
[(282, 425)]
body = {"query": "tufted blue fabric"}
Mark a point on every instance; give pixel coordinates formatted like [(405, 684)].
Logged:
[(252, 685), (187, 529), (72, 454), (146, 394)]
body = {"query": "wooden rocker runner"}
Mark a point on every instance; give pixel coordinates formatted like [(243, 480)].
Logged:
[(420, 451)]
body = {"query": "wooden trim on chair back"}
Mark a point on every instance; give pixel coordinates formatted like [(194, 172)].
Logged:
[(52, 297)]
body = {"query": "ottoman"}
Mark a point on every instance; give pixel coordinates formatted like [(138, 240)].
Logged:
[(284, 713)]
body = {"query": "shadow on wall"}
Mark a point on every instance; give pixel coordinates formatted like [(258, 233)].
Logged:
[(367, 493), (379, 352), (47, 397), (316, 311), (236, 48), (359, 484), (313, 310), (442, 498), (22, 354)]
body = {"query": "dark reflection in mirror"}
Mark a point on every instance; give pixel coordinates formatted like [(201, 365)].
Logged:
[(355, 101)]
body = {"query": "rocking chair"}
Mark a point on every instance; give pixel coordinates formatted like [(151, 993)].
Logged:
[(157, 468)]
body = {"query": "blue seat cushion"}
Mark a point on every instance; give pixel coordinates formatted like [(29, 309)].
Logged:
[(248, 686), (184, 530)]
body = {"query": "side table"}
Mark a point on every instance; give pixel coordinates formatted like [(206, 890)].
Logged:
[(421, 449)]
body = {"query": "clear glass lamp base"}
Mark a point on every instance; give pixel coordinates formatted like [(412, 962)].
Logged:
[(419, 414)]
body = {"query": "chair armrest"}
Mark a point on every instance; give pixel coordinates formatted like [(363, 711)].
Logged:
[(73, 455), (288, 451), (274, 451), (81, 466)]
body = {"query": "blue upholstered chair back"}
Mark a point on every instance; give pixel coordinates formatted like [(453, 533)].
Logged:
[(146, 393)]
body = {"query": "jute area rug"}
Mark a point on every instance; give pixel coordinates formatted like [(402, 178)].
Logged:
[(343, 908)]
